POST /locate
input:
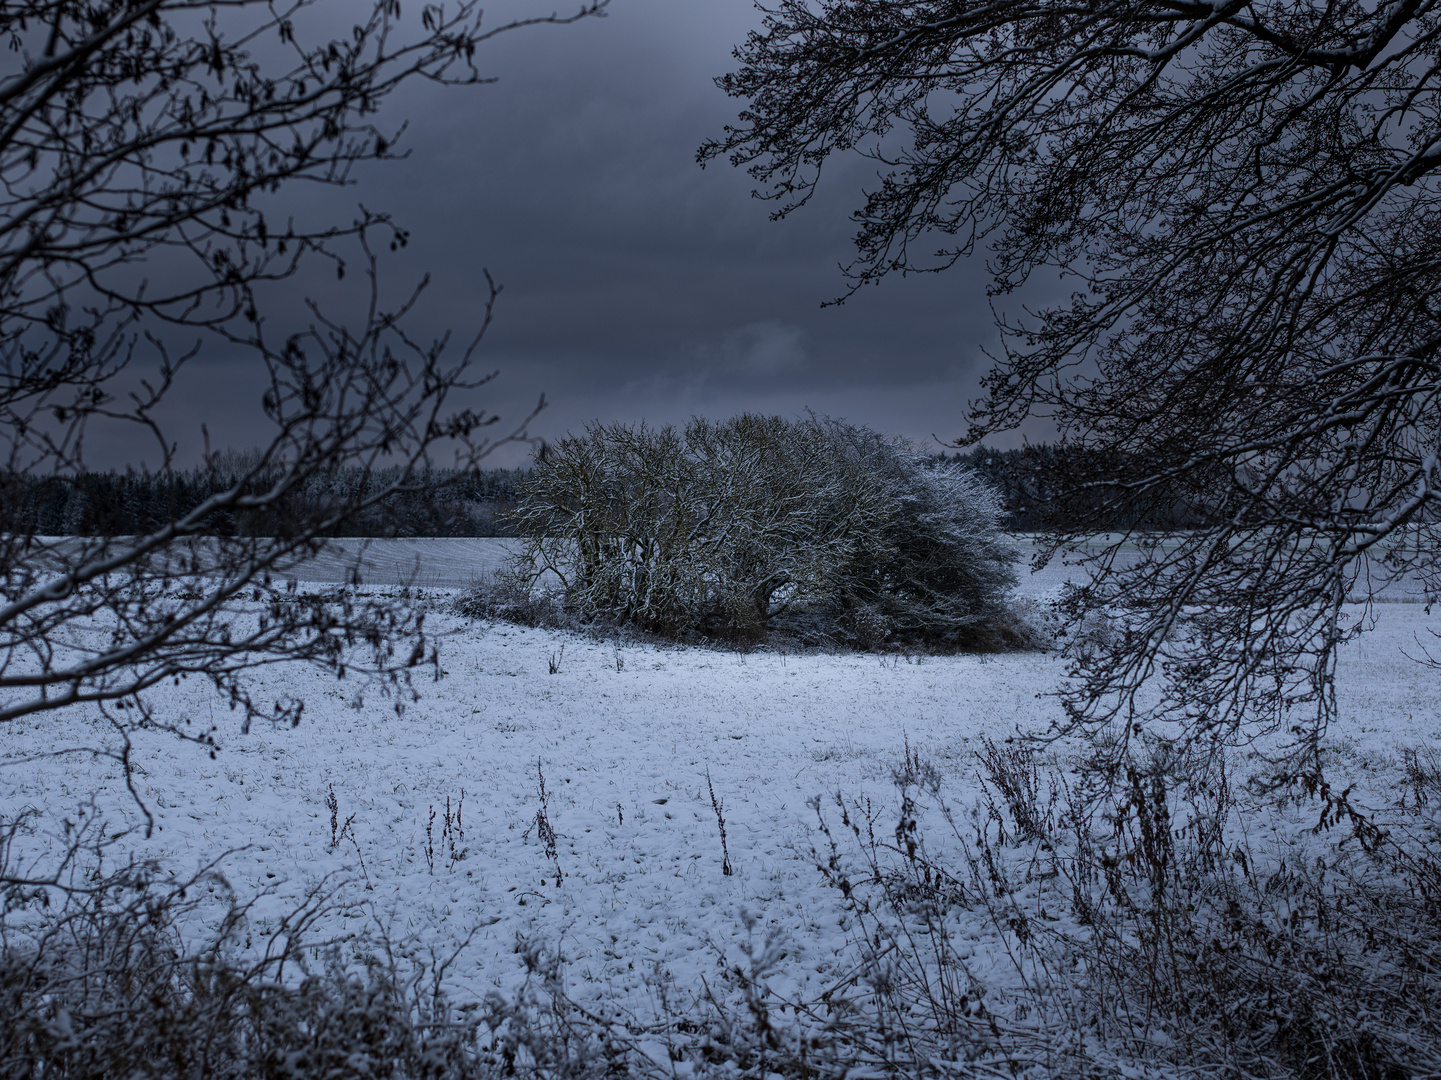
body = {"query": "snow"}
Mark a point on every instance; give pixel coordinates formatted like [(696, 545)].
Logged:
[(426, 562), (625, 735)]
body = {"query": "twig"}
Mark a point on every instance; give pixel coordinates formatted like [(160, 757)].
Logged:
[(543, 827), (719, 809)]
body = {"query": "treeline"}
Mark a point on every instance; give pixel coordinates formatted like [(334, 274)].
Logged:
[(1038, 486), (1046, 486), (445, 502)]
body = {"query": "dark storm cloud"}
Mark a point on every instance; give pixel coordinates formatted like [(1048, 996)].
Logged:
[(636, 284)]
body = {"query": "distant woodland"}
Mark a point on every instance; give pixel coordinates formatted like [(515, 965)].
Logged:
[(1043, 487), (456, 503), (445, 503)]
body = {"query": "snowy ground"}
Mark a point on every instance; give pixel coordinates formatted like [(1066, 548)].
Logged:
[(431, 563), (625, 736), (454, 563)]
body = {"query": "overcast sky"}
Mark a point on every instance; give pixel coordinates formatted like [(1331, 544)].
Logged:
[(636, 284)]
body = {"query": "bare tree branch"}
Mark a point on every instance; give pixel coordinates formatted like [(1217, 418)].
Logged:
[(1246, 199), (140, 143)]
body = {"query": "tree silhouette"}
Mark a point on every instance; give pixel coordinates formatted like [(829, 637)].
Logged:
[(1245, 201), (142, 144)]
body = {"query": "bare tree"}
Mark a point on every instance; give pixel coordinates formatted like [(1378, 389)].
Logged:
[(1246, 202), (141, 144)]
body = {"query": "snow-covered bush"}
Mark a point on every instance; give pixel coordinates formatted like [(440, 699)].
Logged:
[(938, 568), (714, 529), (725, 527)]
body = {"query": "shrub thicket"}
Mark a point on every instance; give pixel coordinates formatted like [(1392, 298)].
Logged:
[(726, 529), (99, 980), (1151, 934)]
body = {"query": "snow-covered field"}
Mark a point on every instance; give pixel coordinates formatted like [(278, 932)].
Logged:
[(454, 563), (431, 563), (625, 736)]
